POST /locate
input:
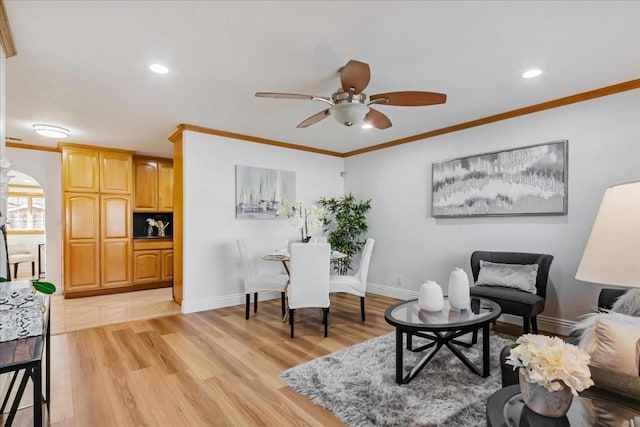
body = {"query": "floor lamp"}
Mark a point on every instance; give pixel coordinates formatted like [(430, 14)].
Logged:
[(612, 254)]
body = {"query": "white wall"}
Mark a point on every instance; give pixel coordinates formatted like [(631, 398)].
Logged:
[(211, 264), (604, 149), (46, 168)]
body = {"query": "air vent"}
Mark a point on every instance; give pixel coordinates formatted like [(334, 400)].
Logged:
[(10, 138)]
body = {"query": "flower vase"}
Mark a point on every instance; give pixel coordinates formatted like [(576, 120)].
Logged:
[(430, 296), (553, 404), (459, 292), (150, 231)]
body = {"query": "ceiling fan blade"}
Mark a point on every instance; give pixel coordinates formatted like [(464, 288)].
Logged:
[(314, 119), (285, 95), (355, 75), (377, 119), (409, 98)]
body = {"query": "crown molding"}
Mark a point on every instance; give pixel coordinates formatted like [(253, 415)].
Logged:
[(560, 102), (6, 38), (183, 127)]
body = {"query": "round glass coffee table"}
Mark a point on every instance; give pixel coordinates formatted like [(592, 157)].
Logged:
[(441, 328), (505, 408)]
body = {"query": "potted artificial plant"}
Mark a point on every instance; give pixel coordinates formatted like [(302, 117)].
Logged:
[(346, 222)]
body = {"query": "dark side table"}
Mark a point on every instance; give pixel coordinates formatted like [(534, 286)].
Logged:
[(505, 408)]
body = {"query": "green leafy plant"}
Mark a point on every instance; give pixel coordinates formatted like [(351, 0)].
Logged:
[(44, 287), (346, 222)]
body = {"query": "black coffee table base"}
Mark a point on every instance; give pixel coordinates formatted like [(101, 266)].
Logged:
[(439, 340)]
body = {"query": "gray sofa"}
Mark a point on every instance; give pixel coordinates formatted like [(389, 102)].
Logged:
[(608, 385)]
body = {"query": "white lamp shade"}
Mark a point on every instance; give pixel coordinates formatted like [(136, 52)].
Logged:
[(612, 254)]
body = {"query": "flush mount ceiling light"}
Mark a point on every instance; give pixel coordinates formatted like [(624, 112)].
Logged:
[(51, 131), (529, 74), (159, 68)]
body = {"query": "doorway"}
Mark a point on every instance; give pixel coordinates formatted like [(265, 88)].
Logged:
[(25, 224)]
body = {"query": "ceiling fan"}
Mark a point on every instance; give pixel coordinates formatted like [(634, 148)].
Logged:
[(349, 105)]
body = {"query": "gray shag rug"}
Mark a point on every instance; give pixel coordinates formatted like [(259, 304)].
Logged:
[(358, 384)]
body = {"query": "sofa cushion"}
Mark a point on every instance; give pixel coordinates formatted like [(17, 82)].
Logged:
[(611, 338), (519, 276)]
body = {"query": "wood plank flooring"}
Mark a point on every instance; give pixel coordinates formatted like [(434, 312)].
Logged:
[(211, 368)]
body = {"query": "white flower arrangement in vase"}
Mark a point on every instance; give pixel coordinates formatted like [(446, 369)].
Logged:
[(304, 219), (551, 363)]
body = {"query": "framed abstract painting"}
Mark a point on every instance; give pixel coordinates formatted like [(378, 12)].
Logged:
[(529, 180)]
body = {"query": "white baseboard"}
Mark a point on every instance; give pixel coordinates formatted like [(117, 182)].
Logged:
[(391, 291), (204, 304), (545, 323)]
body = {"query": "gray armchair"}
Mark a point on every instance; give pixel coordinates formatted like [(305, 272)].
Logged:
[(514, 301)]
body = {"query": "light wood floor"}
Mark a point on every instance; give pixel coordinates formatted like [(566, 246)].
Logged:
[(211, 368)]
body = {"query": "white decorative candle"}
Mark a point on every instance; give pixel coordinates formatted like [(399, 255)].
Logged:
[(430, 297), (459, 294)]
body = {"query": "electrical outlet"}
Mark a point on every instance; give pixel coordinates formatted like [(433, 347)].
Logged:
[(399, 280)]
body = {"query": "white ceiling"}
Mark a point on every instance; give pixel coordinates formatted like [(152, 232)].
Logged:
[(84, 65)]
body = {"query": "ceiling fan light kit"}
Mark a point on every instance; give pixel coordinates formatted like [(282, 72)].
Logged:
[(349, 106), (349, 114)]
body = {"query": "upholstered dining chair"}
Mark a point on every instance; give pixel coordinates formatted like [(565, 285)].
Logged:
[(355, 284), (511, 299), (309, 281), (260, 275)]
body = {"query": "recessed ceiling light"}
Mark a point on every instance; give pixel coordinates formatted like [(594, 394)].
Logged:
[(367, 126), (529, 74), (51, 131), (159, 68)]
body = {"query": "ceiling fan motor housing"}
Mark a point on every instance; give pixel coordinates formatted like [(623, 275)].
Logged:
[(349, 109)]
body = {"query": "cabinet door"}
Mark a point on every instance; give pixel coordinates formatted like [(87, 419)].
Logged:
[(165, 186), (116, 242), (80, 170), (167, 265), (146, 266), (146, 186), (115, 172), (82, 240)]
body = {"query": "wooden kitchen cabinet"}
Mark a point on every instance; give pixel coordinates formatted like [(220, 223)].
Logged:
[(167, 264), (115, 239), (115, 172), (81, 241), (80, 169), (152, 261), (153, 182), (165, 186), (97, 185), (146, 266)]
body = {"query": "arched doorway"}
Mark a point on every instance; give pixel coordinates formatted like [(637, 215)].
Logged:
[(25, 224)]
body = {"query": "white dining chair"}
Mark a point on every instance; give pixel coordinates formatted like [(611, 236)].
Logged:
[(260, 275), (309, 282), (355, 284)]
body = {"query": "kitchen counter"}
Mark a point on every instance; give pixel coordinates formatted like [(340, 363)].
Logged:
[(152, 238)]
